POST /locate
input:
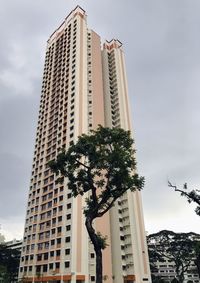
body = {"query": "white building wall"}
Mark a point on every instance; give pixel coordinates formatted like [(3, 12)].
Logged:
[(135, 262)]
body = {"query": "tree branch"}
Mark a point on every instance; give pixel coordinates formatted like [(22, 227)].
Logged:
[(192, 196), (100, 214), (82, 164)]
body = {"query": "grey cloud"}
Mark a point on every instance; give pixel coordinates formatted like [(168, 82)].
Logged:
[(18, 123), (12, 184)]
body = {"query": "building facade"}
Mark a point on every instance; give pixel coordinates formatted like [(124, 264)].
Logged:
[(83, 86), (14, 244)]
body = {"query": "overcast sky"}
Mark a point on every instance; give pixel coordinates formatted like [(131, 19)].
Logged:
[(162, 49)]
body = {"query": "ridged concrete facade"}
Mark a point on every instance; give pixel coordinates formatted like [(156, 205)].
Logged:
[(83, 86)]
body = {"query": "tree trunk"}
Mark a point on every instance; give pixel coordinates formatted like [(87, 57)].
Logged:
[(97, 248), (181, 277), (99, 266)]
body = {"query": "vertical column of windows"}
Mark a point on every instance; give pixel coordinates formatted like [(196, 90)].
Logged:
[(45, 172), (29, 246), (57, 132), (89, 68), (49, 238), (91, 255), (123, 211), (72, 90), (71, 96), (113, 89), (125, 234)]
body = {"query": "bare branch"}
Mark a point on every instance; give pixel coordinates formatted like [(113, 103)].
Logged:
[(178, 190)]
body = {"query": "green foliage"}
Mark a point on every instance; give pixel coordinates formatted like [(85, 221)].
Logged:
[(176, 247), (197, 256), (9, 263), (4, 274), (102, 240), (101, 163), (157, 279)]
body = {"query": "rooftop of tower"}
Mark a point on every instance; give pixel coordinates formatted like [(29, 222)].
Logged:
[(113, 43), (109, 45), (76, 11)]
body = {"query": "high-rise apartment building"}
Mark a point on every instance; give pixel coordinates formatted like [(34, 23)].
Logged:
[(83, 86)]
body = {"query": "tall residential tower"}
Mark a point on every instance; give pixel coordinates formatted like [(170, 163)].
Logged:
[(83, 86)]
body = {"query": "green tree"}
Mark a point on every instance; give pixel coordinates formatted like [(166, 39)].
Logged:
[(192, 196), (102, 166), (154, 257), (197, 256), (3, 274), (157, 279), (9, 263), (175, 247), (175, 281)]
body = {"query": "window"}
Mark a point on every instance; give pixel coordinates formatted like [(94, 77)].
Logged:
[(59, 229), (67, 251), (59, 241), (58, 253), (57, 265), (68, 216), (39, 257), (45, 267), (68, 227), (69, 205), (46, 244), (48, 223), (49, 204), (67, 239), (46, 256), (67, 264), (38, 269)]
